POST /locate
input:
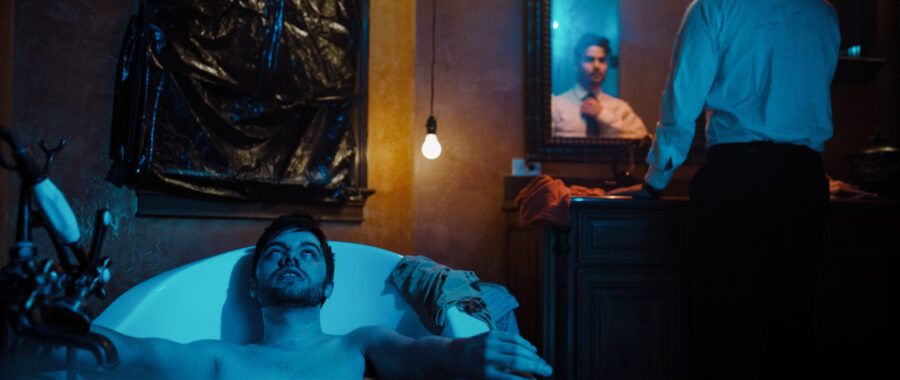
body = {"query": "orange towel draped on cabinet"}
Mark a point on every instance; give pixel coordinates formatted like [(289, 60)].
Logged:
[(545, 201)]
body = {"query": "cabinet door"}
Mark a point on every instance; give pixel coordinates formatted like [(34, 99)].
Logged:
[(631, 326)]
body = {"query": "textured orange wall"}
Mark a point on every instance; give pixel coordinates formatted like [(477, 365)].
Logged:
[(647, 35), (478, 106), (389, 212)]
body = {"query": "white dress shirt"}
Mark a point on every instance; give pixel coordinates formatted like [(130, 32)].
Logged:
[(616, 120), (762, 67)]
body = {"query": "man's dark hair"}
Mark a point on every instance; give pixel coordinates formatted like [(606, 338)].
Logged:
[(588, 40), (297, 221)]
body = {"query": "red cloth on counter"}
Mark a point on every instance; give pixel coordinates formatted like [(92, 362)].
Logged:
[(581, 191), (545, 201)]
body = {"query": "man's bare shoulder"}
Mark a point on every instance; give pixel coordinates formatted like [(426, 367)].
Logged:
[(372, 339), (368, 335), (214, 348)]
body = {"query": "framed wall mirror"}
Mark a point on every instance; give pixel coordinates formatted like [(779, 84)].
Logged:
[(572, 51), (571, 56)]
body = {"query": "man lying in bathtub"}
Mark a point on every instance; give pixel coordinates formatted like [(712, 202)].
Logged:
[(291, 278)]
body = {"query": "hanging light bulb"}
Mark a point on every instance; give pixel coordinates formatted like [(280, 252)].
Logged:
[(431, 149)]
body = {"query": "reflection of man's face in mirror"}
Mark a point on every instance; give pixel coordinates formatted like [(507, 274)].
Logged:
[(593, 67), (585, 110)]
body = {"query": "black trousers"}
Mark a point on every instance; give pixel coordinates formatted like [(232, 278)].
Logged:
[(760, 217)]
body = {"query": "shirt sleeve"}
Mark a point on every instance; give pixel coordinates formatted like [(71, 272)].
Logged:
[(618, 115), (692, 72), (608, 118), (556, 118), (632, 125)]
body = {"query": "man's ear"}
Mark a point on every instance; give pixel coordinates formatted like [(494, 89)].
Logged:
[(253, 288)]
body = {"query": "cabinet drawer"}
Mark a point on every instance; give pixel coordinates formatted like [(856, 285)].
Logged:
[(630, 238)]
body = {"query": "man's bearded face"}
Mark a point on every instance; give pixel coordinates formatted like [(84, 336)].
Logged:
[(593, 66), (291, 271)]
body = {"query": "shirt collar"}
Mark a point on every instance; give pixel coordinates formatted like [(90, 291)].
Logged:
[(581, 92)]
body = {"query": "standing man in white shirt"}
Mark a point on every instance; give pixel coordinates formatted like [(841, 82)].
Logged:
[(585, 110), (763, 69)]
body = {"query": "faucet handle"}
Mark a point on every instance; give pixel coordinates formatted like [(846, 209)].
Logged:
[(102, 275), (101, 225), (51, 153)]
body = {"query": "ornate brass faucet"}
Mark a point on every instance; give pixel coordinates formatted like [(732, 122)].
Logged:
[(46, 301)]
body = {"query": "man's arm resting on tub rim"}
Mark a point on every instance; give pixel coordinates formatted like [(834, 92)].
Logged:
[(139, 358), (491, 355), (157, 358)]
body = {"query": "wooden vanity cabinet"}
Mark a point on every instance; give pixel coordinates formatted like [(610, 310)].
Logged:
[(614, 289), (608, 295)]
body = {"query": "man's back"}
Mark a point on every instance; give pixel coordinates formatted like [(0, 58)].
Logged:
[(776, 60), (763, 67)]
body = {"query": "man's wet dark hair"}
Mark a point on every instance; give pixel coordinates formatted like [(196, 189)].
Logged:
[(297, 221), (588, 40)]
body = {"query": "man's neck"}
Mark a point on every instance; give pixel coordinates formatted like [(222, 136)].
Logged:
[(595, 89), (286, 327)]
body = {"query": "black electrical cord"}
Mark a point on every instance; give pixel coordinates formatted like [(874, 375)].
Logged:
[(433, 22), (431, 124)]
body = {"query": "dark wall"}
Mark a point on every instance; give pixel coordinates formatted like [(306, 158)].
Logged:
[(865, 98), (6, 41)]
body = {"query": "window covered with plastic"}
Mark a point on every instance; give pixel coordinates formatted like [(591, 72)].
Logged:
[(245, 99)]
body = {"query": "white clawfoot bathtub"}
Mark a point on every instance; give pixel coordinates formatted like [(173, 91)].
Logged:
[(209, 299)]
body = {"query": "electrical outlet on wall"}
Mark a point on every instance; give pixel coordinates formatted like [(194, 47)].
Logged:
[(522, 168)]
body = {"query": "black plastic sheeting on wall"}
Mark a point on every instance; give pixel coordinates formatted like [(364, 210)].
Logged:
[(246, 99)]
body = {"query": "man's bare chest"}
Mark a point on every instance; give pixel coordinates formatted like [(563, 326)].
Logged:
[(333, 363)]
